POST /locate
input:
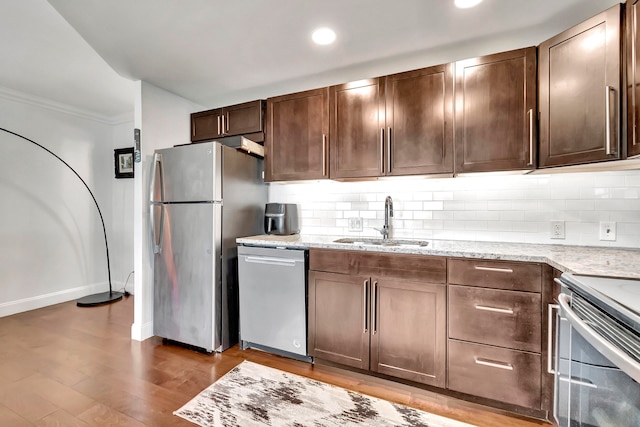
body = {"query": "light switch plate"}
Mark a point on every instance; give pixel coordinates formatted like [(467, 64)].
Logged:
[(355, 224), (607, 230)]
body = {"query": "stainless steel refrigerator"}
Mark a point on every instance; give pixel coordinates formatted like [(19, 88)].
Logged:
[(203, 196)]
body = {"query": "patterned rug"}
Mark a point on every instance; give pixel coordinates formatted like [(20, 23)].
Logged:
[(256, 395)]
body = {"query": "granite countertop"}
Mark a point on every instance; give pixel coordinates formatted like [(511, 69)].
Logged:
[(599, 261)]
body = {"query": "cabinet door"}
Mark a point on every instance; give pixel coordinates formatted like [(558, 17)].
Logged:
[(339, 318), (296, 141), (357, 129), (580, 92), (419, 120), (633, 78), (495, 126), (206, 125), (408, 338), (243, 118)]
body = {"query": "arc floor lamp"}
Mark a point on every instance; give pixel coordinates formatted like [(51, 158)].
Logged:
[(102, 297)]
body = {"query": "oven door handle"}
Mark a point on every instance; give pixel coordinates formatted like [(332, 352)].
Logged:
[(611, 352)]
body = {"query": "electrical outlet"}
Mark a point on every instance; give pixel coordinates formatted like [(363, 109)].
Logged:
[(557, 229), (607, 230), (355, 224)]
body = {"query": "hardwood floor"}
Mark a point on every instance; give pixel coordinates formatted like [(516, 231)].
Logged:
[(70, 366)]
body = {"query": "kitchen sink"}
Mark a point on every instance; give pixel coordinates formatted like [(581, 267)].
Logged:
[(386, 242)]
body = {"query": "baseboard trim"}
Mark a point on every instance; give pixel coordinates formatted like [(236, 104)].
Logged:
[(141, 332), (32, 303)]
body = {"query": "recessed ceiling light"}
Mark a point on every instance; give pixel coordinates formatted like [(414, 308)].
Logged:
[(465, 4), (323, 36)]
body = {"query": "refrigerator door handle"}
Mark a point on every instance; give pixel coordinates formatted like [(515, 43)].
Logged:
[(157, 242), (155, 166)]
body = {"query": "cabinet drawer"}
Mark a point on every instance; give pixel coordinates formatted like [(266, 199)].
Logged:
[(401, 266), (491, 316), (509, 376), (410, 267), (334, 261), (496, 274)]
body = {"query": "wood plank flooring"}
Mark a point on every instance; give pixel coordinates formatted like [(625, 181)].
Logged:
[(69, 366)]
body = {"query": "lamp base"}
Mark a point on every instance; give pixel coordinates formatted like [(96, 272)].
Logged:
[(99, 299)]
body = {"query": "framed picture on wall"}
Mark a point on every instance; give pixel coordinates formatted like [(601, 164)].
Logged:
[(123, 160)]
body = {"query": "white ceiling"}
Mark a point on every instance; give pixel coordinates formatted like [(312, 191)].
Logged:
[(86, 53)]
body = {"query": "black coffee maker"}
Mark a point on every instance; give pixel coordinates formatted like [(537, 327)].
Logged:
[(281, 218)]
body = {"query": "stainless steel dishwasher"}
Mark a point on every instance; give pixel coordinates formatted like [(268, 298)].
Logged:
[(273, 300)]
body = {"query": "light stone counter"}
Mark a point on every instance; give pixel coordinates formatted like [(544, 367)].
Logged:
[(602, 261)]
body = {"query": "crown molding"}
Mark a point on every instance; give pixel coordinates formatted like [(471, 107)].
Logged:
[(25, 98)]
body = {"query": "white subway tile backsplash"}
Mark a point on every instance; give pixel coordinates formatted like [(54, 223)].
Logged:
[(443, 195), (511, 216), (423, 195), (499, 205), (368, 214), (594, 216), (632, 180), (423, 215), (544, 216), (526, 205), (443, 214), (433, 206), (413, 206), (480, 207), (476, 215), (632, 217), (618, 205), (453, 205), (580, 205)]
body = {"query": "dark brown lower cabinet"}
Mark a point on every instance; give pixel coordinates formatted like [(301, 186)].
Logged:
[(498, 332), (473, 326), (390, 325)]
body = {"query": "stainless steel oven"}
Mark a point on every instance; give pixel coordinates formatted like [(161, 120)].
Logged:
[(597, 360)]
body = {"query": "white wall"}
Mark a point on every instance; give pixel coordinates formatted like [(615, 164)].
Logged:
[(121, 237), (51, 239), (164, 121), (512, 208)]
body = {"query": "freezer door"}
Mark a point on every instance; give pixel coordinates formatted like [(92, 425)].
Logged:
[(188, 173), (186, 275)]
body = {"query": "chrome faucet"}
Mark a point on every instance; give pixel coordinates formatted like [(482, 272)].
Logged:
[(388, 212)]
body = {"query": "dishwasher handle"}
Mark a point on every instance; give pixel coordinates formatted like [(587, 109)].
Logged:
[(270, 260)]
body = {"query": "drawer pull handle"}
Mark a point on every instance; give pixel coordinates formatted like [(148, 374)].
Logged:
[(375, 307), (493, 364), (498, 270), (494, 309), (365, 305)]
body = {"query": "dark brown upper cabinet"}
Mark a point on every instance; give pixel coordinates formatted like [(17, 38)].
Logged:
[(239, 119), (400, 124), (357, 129), (580, 92), (419, 121), (297, 132), (495, 110), (633, 78)]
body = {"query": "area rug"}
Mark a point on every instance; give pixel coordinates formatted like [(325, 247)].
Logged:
[(256, 395)]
